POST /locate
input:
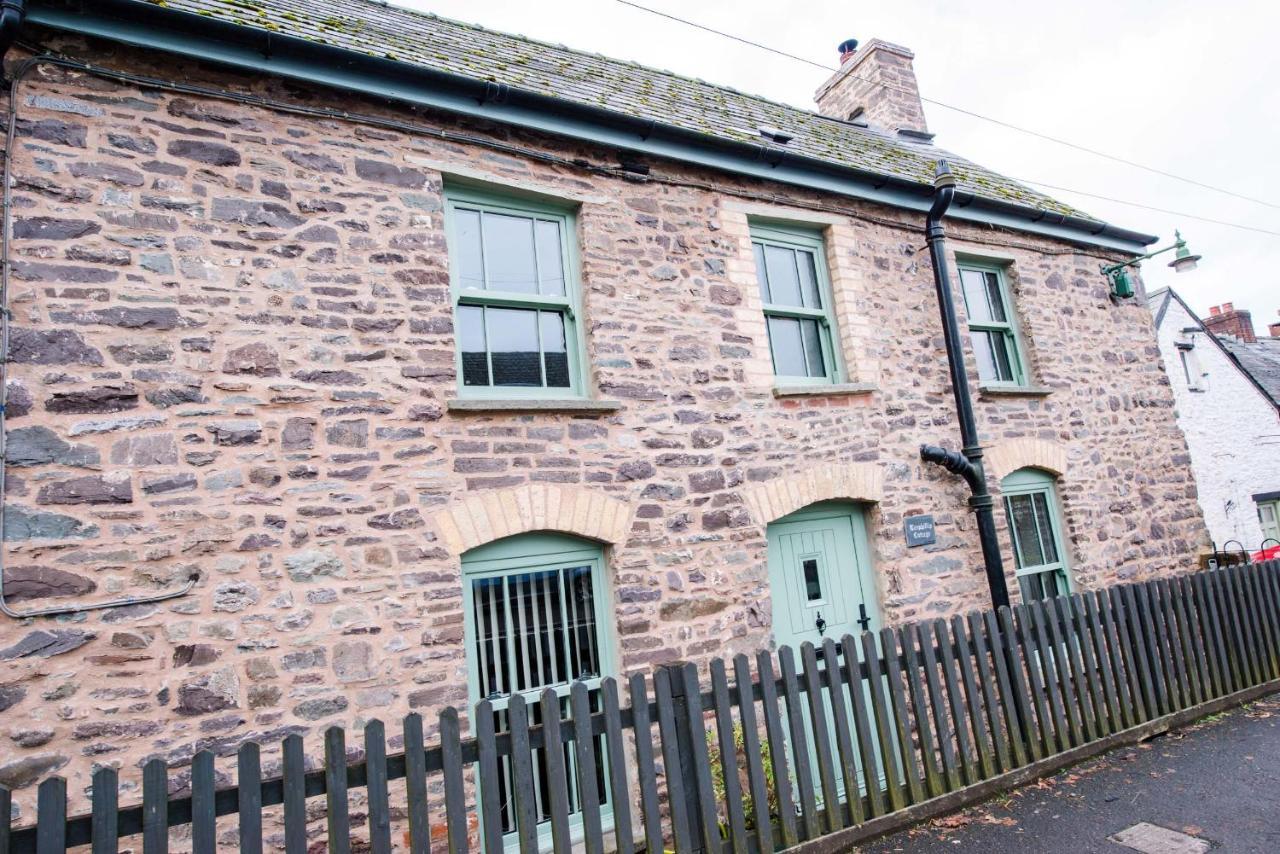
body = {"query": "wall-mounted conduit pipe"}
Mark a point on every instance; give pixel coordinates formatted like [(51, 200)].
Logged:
[(968, 462)]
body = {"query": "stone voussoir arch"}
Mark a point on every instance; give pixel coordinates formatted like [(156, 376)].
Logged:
[(828, 482), (1003, 459), (489, 516)]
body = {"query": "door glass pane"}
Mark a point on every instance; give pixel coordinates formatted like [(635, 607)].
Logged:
[(1041, 504), (1043, 585), (814, 362), (812, 584), (784, 280), (555, 350), (534, 630), (513, 343), (1023, 521), (788, 347), (762, 273), (491, 638), (1033, 587), (550, 258), (470, 270), (809, 290), (584, 646), (508, 253), (475, 358), (975, 295)]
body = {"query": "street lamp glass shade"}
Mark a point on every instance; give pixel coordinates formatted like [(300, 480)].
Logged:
[(1184, 263)]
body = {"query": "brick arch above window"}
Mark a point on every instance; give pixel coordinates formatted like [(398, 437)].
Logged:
[(490, 516), (1004, 458), (828, 482)]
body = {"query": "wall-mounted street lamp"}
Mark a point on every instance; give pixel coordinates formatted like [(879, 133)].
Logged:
[(1122, 286)]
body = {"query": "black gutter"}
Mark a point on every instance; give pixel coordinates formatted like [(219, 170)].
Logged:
[(12, 13), (276, 47), (967, 463)]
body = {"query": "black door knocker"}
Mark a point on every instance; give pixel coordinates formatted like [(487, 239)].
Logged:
[(821, 624)]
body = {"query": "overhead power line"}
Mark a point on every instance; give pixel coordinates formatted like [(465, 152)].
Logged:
[(1221, 222), (1009, 125)]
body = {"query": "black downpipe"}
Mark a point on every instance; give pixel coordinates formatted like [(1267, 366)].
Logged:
[(12, 14), (967, 463)]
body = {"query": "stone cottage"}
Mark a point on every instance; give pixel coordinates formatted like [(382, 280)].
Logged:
[(363, 362), (1227, 386)]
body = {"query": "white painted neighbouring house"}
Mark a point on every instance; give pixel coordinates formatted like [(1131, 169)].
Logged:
[(1232, 425)]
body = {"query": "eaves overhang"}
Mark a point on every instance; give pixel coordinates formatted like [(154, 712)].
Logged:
[(259, 51)]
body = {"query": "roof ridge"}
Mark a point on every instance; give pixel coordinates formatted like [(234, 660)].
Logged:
[(955, 160), (666, 72)]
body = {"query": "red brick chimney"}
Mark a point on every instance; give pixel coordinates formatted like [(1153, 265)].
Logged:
[(1225, 319), (1274, 329), (876, 84)]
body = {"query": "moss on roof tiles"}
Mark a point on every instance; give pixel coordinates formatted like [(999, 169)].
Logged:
[(423, 39)]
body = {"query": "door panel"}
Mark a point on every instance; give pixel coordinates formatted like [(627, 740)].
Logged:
[(818, 565)]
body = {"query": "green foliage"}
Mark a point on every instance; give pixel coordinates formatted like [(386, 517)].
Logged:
[(739, 765)]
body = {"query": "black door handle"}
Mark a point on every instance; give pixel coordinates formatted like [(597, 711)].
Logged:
[(863, 619)]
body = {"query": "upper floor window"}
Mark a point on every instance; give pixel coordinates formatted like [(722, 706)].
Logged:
[(516, 297), (1031, 509), (796, 295), (1197, 378), (993, 328)]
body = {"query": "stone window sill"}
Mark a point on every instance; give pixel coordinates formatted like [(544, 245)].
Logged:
[(832, 390), (1014, 391), (570, 405)]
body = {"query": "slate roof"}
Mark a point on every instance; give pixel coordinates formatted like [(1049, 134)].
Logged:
[(1261, 360), (404, 35), (1258, 362)]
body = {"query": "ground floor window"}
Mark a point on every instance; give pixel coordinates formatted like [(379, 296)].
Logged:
[(1032, 510), (1269, 519), (536, 618)]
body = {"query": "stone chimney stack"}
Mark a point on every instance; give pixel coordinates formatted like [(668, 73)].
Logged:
[(1226, 320), (875, 84)]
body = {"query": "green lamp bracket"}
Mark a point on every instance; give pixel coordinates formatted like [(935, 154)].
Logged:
[(1122, 282)]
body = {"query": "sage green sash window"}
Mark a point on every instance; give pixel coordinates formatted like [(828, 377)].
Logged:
[(992, 325), (536, 617), (1031, 508), (515, 297), (796, 298)]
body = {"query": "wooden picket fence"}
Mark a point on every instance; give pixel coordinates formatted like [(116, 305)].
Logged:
[(858, 737)]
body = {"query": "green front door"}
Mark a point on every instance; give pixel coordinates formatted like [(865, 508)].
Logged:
[(819, 575), (820, 578)]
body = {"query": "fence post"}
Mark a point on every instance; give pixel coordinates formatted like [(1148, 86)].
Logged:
[(680, 701)]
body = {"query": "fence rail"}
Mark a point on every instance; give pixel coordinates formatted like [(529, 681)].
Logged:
[(772, 753)]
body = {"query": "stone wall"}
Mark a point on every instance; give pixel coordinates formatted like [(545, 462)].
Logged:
[(233, 357)]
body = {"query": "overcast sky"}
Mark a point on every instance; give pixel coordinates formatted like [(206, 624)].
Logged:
[(1186, 87)]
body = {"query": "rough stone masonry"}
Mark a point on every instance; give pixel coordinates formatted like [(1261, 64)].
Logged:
[(233, 356)]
